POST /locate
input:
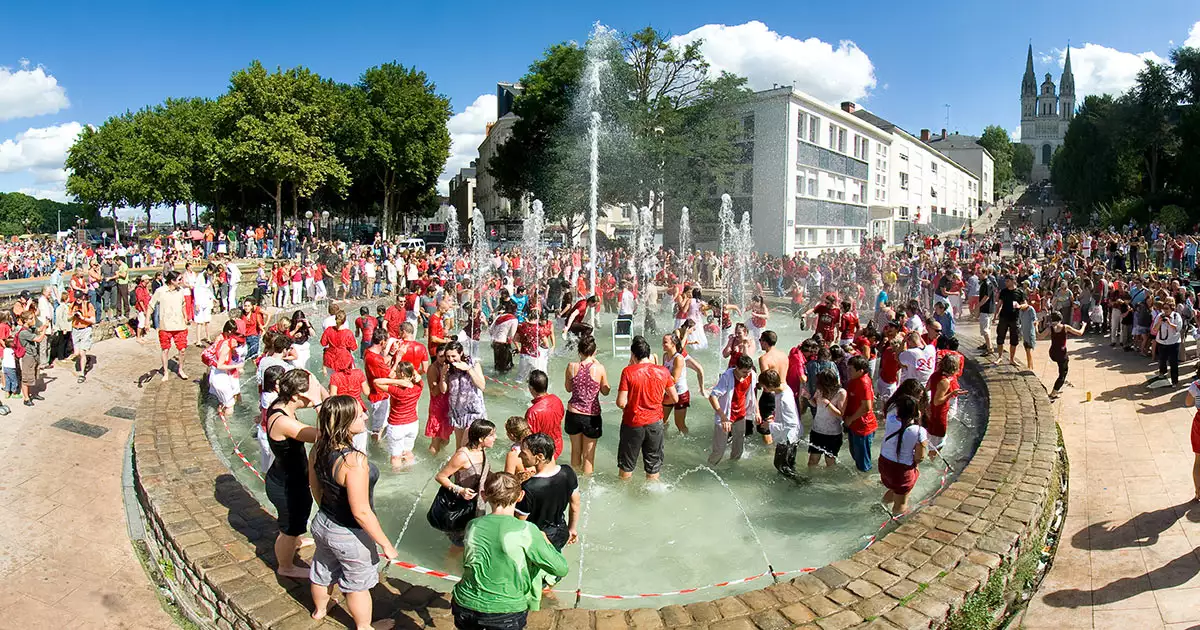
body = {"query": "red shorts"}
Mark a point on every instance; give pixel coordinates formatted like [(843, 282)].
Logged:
[(973, 301), (685, 401), (1196, 433), (165, 337), (897, 477)]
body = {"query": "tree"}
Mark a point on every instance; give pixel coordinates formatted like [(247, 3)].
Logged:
[(402, 139), (1022, 161), (995, 140), (1151, 108), (274, 130), (1096, 163), (1187, 168), (22, 214)]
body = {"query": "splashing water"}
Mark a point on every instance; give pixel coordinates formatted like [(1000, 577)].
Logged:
[(744, 245), (452, 237), (481, 258), (408, 519), (736, 501), (599, 45), (685, 239), (531, 243)]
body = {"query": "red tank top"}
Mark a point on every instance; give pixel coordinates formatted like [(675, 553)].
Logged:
[(939, 415), (737, 408)]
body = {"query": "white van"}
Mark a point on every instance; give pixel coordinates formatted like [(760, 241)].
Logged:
[(413, 243)]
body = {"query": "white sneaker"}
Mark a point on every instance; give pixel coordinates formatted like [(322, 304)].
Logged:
[(1165, 382)]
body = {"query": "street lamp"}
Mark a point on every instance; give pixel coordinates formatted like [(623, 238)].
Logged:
[(328, 227)]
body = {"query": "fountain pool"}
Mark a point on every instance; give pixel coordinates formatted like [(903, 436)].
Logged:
[(687, 531)]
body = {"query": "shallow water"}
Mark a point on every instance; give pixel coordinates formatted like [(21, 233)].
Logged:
[(684, 532)]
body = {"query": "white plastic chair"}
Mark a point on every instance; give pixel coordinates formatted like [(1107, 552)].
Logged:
[(626, 338)]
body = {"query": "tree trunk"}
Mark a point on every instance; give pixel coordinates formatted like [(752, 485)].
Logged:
[(385, 220), (148, 206), (295, 206), (174, 215), (116, 226), (278, 211), (189, 214)]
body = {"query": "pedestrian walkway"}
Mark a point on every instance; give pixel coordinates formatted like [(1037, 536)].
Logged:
[(65, 556), (1129, 554)]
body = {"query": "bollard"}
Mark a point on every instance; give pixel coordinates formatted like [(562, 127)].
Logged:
[(1089, 397)]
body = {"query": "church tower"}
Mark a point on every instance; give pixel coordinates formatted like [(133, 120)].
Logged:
[(1028, 91), (1067, 92)]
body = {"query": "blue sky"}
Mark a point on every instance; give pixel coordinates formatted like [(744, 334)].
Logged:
[(72, 63)]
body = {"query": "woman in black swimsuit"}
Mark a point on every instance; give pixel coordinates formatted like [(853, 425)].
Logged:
[(287, 478)]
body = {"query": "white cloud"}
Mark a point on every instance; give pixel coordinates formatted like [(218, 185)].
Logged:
[(29, 92), (57, 194), (468, 128), (765, 58), (1103, 70), (1193, 38), (1015, 134), (39, 149)]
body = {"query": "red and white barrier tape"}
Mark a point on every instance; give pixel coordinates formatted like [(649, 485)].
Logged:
[(237, 451)]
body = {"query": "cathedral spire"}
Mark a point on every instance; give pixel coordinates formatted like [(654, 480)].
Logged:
[(1029, 81), (1067, 82)]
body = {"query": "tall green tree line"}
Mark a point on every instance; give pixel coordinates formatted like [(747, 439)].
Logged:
[(1133, 155), (275, 139)]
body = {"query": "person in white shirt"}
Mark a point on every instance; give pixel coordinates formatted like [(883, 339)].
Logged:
[(919, 360), (625, 308), (784, 423), (1168, 332), (234, 276), (733, 405), (369, 281)]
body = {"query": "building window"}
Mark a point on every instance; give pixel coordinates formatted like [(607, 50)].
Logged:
[(801, 125), (841, 140), (810, 236), (832, 136), (814, 126), (933, 167), (748, 126), (812, 184), (902, 213), (903, 181), (904, 157), (858, 192)]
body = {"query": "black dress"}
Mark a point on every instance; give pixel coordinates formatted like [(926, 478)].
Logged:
[(287, 481)]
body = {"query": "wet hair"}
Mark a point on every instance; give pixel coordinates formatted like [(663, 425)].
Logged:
[(339, 318), (768, 338), (910, 388), (823, 353), (539, 444), (908, 410), (640, 349), (828, 382), (230, 327), (836, 352), (334, 420), (334, 308), (501, 489), (378, 336), (404, 369), (517, 428), (769, 379), (744, 362), (478, 432), (364, 311), (407, 328), (278, 343), (1056, 317), (292, 384), (271, 377), (859, 364), (949, 364), (586, 346), (539, 382)]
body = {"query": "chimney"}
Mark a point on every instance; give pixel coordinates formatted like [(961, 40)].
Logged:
[(849, 107), (924, 135), (943, 133)]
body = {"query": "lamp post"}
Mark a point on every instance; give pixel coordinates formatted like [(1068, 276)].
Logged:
[(328, 227)]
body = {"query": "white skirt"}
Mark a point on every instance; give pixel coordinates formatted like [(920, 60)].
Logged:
[(224, 386), (302, 354), (203, 314)]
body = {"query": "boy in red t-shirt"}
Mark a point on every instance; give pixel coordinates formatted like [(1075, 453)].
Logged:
[(404, 392), (365, 325), (859, 414), (849, 324), (645, 388)]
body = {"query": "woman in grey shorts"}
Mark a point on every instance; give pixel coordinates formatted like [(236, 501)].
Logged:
[(345, 529)]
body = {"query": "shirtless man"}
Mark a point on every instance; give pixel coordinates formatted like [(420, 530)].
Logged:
[(772, 359)]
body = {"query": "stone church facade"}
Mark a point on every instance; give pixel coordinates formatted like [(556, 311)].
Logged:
[(1045, 114)]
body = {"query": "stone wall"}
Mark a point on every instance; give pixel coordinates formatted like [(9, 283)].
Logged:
[(217, 539)]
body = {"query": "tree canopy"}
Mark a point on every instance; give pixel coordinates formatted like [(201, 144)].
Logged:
[(1139, 150), (373, 149), (668, 129)]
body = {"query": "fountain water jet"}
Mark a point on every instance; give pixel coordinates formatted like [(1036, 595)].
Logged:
[(685, 240), (532, 249)]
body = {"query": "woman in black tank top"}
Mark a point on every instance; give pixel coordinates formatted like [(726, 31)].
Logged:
[(287, 478), (345, 529)]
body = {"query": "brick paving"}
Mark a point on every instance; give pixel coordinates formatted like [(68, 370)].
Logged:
[(1129, 555), (65, 556)]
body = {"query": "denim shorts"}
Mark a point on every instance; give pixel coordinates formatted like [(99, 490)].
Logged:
[(12, 380), (344, 555)]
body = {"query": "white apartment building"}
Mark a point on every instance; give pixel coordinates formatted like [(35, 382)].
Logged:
[(810, 174), (967, 151), (920, 189)]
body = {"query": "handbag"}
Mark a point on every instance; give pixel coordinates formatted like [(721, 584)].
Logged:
[(450, 512)]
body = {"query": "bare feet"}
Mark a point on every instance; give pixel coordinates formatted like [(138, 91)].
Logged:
[(182, 375), (294, 572), (164, 376)]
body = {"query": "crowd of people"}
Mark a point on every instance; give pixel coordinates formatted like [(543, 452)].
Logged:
[(881, 348)]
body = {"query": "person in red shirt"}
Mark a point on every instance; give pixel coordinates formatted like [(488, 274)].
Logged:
[(859, 415), (411, 350), (404, 392), (365, 325), (252, 323), (643, 390), (943, 389), (437, 326), (848, 324), (889, 361), (733, 407), (546, 412), (376, 366), (337, 340), (828, 318), (395, 314)]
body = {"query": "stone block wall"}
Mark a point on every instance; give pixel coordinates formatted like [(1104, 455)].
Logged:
[(215, 540)]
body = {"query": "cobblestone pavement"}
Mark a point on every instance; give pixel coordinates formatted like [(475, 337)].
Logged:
[(1129, 555), (65, 556)]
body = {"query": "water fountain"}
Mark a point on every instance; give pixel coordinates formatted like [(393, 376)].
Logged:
[(452, 236), (481, 255), (599, 48), (744, 246), (532, 249), (685, 241), (649, 266)]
